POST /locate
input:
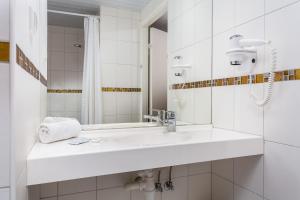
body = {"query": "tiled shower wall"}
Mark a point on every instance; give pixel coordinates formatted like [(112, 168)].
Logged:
[(65, 66), (274, 176), (119, 34), (191, 182)]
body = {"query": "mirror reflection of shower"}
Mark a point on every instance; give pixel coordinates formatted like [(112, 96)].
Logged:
[(65, 63)]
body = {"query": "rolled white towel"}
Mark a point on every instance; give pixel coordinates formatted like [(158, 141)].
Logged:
[(61, 130), (56, 119)]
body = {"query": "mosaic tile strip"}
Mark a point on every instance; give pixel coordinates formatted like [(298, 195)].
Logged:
[(104, 89), (28, 66), (43, 80), (4, 51), (64, 91), (110, 89), (286, 75)]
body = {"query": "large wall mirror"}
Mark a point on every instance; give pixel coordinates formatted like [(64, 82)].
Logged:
[(148, 65)]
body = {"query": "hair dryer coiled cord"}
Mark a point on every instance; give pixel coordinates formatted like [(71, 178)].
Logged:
[(271, 77)]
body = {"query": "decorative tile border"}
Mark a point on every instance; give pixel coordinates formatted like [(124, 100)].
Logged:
[(43, 80), (29, 67), (104, 89), (286, 75), (64, 91), (4, 51), (111, 89)]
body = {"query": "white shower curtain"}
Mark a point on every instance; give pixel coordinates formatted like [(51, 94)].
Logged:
[(91, 106)]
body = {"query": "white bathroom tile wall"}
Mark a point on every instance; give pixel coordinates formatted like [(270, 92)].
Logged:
[(283, 30), (138, 195), (199, 187), (51, 198), (120, 59), (4, 194), (108, 11), (112, 181), (281, 171), (4, 123), (248, 9), (65, 68), (124, 30), (107, 119), (109, 75), (222, 20), (202, 25), (252, 122), (223, 106), (222, 189), (189, 36), (124, 53), (110, 100), (34, 192), (223, 168), (123, 103), (243, 194), (80, 196), (202, 106), (56, 60), (199, 168), (272, 5), (123, 76), (273, 177), (188, 28), (109, 51), (48, 190), (281, 113), (113, 194), (108, 27), (123, 118), (77, 186), (201, 60), (186, 109), (248, 173)]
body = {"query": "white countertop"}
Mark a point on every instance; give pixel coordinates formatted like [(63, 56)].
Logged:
[(123, 150)]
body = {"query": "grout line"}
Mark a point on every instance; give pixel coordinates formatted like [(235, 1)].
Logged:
[(280, 8), (233, 176), (190, 45), (253, 19), (235, 184), (284, 144)]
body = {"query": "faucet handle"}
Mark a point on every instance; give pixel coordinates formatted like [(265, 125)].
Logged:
[(171, 115)]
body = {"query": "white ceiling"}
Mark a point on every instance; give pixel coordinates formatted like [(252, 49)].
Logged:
[(92, 6)]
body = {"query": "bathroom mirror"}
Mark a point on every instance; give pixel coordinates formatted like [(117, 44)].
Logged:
[(147, 61)]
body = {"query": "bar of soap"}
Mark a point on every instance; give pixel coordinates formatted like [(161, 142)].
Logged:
[(78, 141)]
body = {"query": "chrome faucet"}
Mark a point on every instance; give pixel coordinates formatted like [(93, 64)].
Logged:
[(159, 118), (171, 121), (164, 118)]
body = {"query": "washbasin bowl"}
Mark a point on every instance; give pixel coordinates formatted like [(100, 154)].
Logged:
[(123, 150)]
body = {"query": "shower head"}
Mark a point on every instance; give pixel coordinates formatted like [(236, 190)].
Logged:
[(77, 45)]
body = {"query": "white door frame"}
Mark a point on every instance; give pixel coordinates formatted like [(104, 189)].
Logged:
[(156, 13)]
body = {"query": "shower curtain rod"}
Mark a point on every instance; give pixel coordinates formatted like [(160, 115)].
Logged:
[(71, 13)]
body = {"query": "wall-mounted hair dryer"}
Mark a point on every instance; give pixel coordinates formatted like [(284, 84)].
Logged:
[(243, 49)]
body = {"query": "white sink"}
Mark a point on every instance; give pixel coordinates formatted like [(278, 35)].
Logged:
[(123, 150)]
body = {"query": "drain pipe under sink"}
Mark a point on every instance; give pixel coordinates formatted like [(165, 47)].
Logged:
[(145, 183)]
